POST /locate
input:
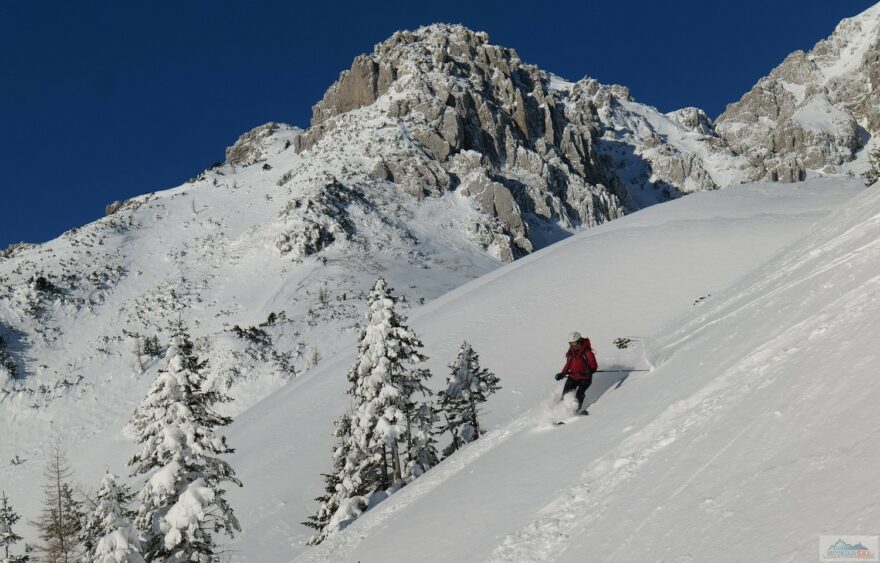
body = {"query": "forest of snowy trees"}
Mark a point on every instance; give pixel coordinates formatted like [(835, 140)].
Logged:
[(386, 439), (180, 506)]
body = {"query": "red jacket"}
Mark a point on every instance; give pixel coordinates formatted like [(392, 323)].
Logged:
[(580, 362)]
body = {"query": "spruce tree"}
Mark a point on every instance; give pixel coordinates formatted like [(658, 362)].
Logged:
[(341, 486), (421, 445), (8, 537), (182, 500), (109, 533), (468, 386), (384, 390), (387, 437), (61, 518)]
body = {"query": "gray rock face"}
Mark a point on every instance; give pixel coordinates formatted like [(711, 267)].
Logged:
[(471, 117), (113, 207), (648, 157), (812, 112), (360, 86)]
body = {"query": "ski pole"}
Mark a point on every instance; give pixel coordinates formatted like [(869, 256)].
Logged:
[(618, 370)]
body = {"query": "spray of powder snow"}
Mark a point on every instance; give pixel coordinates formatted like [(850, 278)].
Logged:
[(553, 409)]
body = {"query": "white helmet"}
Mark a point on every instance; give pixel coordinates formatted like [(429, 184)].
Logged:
[(574, 336)]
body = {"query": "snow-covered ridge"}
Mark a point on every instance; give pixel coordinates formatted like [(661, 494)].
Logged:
[(814, 112)]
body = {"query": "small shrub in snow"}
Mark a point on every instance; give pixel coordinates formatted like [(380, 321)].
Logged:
[(8, 369), (254, 334), (873, 173), (43, 285), (314, 357), (151, 346)]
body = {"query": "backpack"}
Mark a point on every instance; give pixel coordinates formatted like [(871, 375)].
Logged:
[(586, 352)]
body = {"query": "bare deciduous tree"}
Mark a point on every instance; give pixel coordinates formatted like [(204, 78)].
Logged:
[(60, 521)]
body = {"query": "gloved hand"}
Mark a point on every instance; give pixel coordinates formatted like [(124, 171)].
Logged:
[(560, 376)]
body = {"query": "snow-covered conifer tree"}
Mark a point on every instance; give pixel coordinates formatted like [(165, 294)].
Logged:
[(8, 537), (421, 445), (109, 532), (383, 389), (467, 387), (182, 500), (387, 437), (342, 487)]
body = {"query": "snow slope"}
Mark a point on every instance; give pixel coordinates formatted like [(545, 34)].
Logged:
[(205, 251), (520, 493)]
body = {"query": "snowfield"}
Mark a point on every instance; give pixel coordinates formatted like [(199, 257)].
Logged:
[(755, 309)]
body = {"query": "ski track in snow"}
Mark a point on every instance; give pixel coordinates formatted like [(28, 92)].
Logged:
[(561, 519), (829, 265), (681, 488)]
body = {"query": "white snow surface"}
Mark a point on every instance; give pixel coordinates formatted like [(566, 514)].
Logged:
[(848, 44), (187, 512), (750, 436), (819, 114)]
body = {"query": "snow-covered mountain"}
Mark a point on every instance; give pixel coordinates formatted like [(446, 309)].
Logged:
[(436, 159), (441, 109), (814, 111), (432, 161)]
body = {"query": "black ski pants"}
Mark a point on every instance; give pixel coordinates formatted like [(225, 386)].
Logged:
[(581, 386)]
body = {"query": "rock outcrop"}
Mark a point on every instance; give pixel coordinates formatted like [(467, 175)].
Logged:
[(530, 150), (815, 110)]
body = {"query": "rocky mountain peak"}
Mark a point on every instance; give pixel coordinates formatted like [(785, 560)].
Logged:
[(409, 56), (537, 155), (474, 118), (815, 110)]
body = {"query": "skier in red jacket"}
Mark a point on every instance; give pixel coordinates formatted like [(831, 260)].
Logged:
[(580, 364)]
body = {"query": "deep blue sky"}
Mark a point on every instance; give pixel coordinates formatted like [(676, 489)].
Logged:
[(107, 100)]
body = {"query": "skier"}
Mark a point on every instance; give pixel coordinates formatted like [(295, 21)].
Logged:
[(580, 365)]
